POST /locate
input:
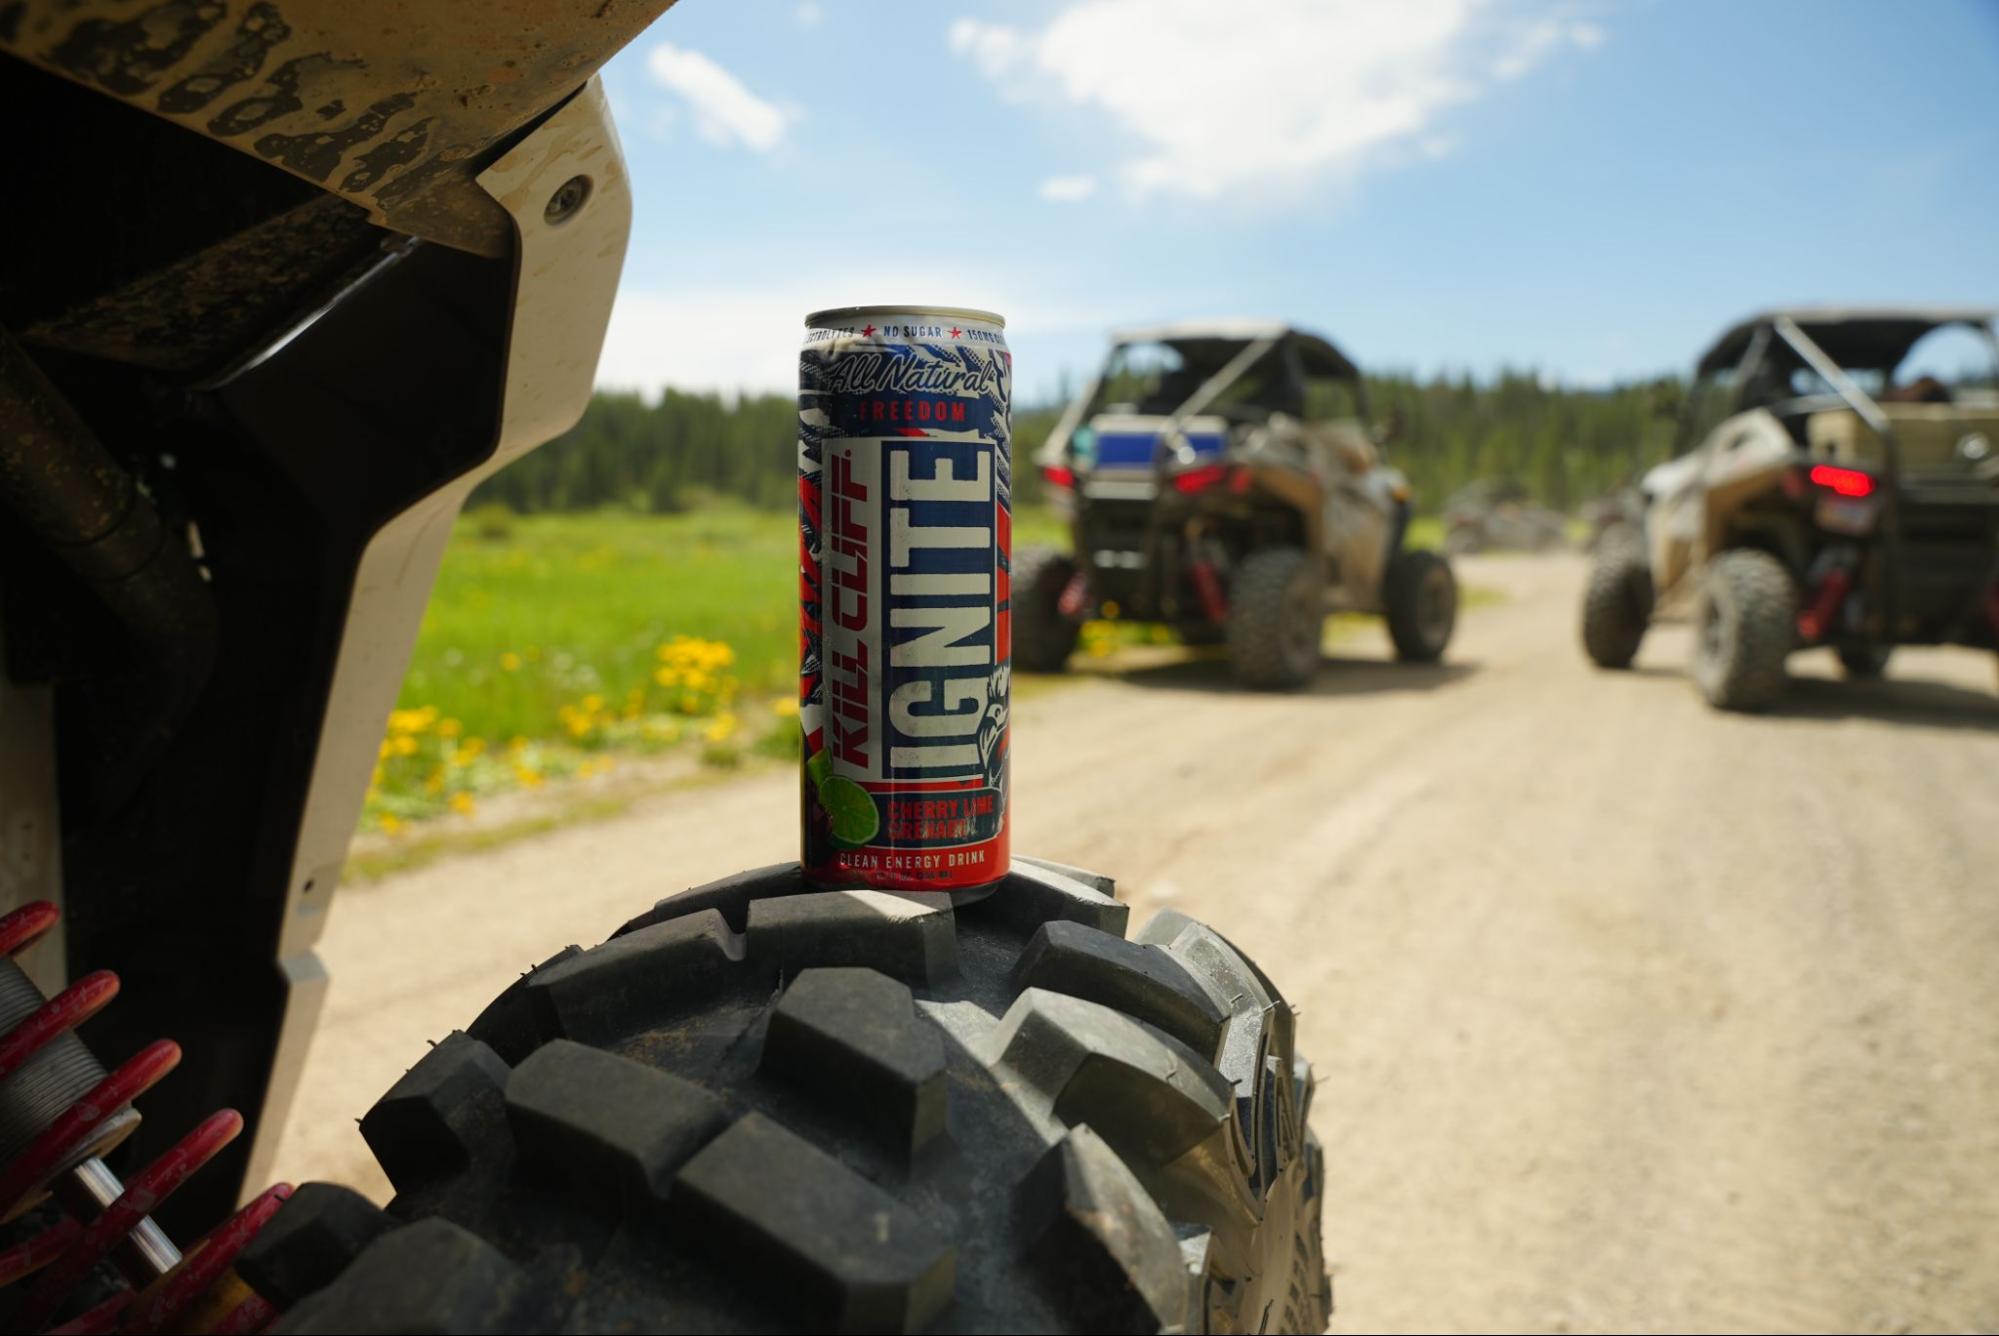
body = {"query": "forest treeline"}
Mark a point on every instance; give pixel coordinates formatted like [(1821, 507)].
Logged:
[(1565, 445)]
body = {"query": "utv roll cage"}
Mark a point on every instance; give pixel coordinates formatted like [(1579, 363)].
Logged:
[(1215, 357), (1827, 341)]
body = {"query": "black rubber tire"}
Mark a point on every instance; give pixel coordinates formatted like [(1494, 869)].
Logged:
[(1864, 663), (1617, 604), (765, 1107), (1277, 619), (1419, 596), (1744, 628), (1043, 639)]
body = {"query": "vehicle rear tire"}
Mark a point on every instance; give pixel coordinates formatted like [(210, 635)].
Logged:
[(1420, 598), (1277, 618), (761, 1106), (1745, 626), (1043, 639), (1864, 663), (1617, 604)]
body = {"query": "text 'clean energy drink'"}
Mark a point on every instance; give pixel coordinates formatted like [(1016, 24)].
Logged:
[(906, 647)]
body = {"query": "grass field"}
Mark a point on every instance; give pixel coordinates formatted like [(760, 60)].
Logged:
[(556, 644)]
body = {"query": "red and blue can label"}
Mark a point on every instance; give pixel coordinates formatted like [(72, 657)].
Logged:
[(906, 647)]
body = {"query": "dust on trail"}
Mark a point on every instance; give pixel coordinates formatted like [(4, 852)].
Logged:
[(1626, 1014)]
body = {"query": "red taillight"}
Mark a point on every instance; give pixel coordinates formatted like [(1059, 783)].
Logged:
[(1200, 479), (1058, 476), (1845, 482)]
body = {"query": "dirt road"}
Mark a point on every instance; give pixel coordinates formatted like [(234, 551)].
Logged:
[(1627, 1015)]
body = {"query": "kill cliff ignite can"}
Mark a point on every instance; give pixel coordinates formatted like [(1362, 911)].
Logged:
[(906, 647)]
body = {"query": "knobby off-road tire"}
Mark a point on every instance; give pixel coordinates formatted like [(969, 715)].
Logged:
[(1043, 638), (1617, 604), (762, 1107), (1745, 626), (1277, 618), (1420, 598)]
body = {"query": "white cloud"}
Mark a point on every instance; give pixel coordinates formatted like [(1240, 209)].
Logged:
[(1262, 96), (1526, 49), (725, 112), (731, 339), (1068, 189), (809, 14), (701, 342), (993, 48)]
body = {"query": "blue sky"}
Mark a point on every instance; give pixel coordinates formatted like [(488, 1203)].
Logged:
[(1588, 189)]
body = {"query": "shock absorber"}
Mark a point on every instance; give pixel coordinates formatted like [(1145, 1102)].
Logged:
[(60, 1114)]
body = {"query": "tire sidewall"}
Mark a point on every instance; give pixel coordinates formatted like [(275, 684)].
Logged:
[(1743, 629), (1422, 605), (1276, 619), (1043, 638), (1617, 606)]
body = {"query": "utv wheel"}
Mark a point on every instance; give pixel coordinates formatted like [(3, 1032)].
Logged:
[(1864, 663), (1746, 625), (1277, 617), (1617, 604), (765, 1107), (1043, 638), (1420, 597)]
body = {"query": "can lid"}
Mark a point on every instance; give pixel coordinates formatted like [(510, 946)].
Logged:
[(839, 313)]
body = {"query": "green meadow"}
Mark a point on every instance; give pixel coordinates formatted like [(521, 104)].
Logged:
[(555, 644)]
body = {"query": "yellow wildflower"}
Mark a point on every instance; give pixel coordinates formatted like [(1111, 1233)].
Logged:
[(785, 706), (510, 662), (412, 721), (461, 803)]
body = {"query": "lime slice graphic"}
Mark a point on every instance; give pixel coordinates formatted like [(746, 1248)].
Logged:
[(851, 809), (819, 768)]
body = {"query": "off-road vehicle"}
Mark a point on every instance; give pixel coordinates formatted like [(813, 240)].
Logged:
[(1218, 478), (1500, 515), (1840, 487), (283, 279)]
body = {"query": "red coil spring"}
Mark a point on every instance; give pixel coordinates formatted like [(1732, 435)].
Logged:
[(187, 1297)]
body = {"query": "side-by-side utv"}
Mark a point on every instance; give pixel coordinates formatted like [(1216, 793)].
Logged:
[(1218, 478), (1840, 488)]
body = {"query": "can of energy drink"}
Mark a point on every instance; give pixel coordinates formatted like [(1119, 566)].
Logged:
[(906, 646)]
